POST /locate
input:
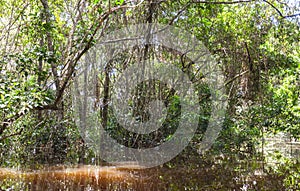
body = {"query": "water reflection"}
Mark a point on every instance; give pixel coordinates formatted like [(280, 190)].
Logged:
[(84, 177), (193, 175)]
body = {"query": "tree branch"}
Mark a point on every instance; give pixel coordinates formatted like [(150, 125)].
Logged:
[(50, 44), (294, 15), (235, 77), (179, 13), (246, 1), (86, 44), (8, 121), (11, 135), (279, 12), (248, 53), (223, 2)]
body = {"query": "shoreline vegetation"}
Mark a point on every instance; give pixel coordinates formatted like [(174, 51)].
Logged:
[(212, 84)]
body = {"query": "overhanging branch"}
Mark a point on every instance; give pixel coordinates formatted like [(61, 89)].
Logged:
[(279, 12), (274, 7), (247, 1), (86, 44)]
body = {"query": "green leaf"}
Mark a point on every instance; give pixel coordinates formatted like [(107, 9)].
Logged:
[(96, 1), (119, 2)]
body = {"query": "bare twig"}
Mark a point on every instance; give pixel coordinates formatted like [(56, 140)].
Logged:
[(179, 13), (235, 77), (290, 16)]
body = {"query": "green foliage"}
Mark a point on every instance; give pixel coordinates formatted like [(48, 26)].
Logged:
[(119, 2), (19, 89), (289, 169), (282, 108), (257, 50)]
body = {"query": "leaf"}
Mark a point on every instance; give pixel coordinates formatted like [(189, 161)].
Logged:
[(96, 1), (119, 2)]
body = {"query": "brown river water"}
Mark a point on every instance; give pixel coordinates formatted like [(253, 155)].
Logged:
[(83, 177), (217, 173), (133, 177)]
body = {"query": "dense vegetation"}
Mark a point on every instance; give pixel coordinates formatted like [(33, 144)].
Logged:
[(255, 43)]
